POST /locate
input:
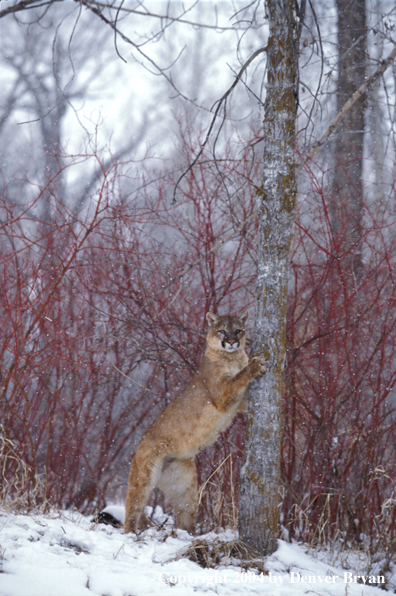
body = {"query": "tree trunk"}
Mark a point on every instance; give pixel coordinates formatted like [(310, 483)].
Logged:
[(258, 516), (347, 200)]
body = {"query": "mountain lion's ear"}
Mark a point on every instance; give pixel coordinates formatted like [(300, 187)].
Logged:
[(211, 318), (244, 316)]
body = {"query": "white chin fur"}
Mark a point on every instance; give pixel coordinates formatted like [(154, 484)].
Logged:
[(231, 348)]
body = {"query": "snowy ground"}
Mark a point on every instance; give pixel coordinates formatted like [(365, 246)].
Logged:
[(65, 554)]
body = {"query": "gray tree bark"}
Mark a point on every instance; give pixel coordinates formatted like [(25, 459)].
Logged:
[(347, 200), (258, 515)]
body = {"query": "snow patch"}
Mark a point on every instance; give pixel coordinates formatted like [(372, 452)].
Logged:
[(65, 554)]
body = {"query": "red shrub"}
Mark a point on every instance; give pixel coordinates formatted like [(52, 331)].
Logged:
[(338, 456), (103, 320)]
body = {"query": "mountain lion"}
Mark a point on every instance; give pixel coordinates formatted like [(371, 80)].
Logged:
[(192, 421)]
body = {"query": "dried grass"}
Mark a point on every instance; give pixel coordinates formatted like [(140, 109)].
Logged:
[(20, 488), (215, 553), (373, 555)]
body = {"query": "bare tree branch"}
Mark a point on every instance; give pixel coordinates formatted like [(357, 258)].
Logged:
[(219, 102), (348, 105), (25, 5), (168, 17)]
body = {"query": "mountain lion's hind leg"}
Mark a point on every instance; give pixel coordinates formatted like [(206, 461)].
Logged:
[(142, 479), (178, 481)]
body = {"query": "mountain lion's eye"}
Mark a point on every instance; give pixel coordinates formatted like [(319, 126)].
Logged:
[(238, 330), (223, 332)]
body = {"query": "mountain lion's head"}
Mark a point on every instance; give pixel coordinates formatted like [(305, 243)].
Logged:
[(227, 332)]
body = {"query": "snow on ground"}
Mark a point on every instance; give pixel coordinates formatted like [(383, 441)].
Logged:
[(65, 554)]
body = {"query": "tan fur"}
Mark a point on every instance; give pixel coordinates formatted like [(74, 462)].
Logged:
[(191, 422)]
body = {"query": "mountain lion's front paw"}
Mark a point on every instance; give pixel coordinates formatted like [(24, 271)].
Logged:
[(258, 366)]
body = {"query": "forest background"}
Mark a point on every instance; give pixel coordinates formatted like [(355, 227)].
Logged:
[(110, 260)]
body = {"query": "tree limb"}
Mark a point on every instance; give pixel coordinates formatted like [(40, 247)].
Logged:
[(347, 106), (25, 5)]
